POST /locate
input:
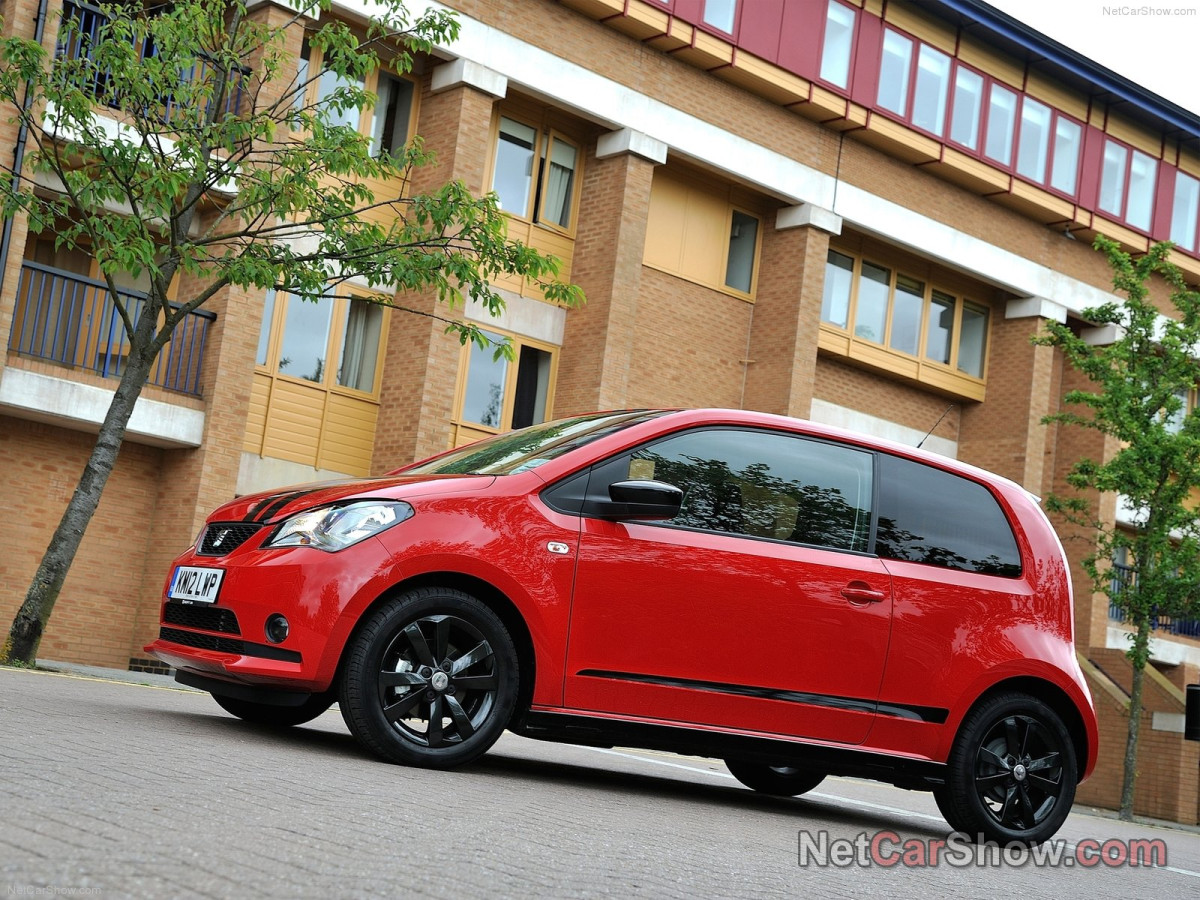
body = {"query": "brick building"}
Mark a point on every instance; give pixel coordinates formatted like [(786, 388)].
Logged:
[(854, 211)]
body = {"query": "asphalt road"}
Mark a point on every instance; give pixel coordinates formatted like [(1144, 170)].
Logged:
[(123, 790)]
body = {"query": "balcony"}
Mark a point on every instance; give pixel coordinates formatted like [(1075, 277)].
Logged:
[(82, 24), (69, 319), (1122, 576)]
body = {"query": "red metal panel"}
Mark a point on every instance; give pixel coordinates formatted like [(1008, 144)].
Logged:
[(1090, 165), (800, 37), (864, 71), (1164, 202), (760, 28)]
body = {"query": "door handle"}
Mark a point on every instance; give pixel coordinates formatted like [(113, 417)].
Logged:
[(861, 592)]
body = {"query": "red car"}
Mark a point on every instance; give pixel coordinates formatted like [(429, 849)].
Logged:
[(794, 599)]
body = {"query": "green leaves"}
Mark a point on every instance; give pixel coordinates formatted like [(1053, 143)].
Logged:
[(1138, 399), (185, 141)]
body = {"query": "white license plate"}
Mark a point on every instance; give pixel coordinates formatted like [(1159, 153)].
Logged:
[(193, 584)]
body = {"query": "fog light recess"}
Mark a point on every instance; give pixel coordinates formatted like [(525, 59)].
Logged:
[(277, 628)]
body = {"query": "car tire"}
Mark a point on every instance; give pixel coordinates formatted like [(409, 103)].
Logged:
[(779, 781), (1012, 772), (430, 679), (275, 716)]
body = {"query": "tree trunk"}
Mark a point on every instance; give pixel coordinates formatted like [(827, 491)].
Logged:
[(1138, 654), (30, 621)]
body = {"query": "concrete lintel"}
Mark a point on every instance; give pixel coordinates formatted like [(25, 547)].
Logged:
[(82, 407), (460, 71), (1102, 335), (626, 140), (808, 215), (1035, 307)]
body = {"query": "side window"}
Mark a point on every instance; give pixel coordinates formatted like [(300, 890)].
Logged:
[(765, 485), (932, 517)]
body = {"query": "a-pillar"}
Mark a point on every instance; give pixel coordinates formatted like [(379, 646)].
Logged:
[(610, 243), (782, 364), (421, 363)]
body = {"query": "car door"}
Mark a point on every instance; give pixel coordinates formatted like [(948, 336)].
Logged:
[(757, 608)]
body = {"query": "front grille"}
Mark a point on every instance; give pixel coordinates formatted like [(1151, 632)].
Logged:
[(221, 538), (209, 618), (200, 641)]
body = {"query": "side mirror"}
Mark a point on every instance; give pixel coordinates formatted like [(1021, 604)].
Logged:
[(638, 500)]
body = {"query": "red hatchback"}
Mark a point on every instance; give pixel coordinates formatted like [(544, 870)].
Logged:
[(793, 599)]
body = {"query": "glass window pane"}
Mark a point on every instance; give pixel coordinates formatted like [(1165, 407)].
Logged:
[(362, 326), (1183, 211), (739, 270), (972, 340), (513, 176), (389, 118), (968, 102), (766, 486), (835, 299), (264, 328), (302, 75), (940, 328), (719, 14), (1065, 169), (933, 84), (326, 85), (305, 338), (533, 386), (486, 377), (1142, 172), (906, 315), (839, 39), (1034, 148), (893, 72), (932, 517), (870, 317), (1002, 110), (560, 184), (1112, 178)]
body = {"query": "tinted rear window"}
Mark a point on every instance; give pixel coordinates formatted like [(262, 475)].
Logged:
[(933, 517)]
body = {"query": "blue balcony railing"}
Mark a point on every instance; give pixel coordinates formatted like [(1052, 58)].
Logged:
[(69, 319), (1122, 577), (82, 24)]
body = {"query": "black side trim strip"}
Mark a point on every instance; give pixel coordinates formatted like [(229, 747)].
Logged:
[(931, 714)]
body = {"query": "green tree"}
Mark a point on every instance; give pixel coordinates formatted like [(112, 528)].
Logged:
[(1140, 385), (181, 145)]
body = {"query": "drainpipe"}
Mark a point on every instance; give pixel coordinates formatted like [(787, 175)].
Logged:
[(39, 30)]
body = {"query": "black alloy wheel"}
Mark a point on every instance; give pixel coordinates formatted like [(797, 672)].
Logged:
[(780, 781), (1012, 772), (430, 679)]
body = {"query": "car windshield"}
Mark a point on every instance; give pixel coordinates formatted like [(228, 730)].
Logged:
[(528, 448)]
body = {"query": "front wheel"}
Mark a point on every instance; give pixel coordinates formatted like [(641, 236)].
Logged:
[(430, 679), (1012, 772), (275, 716), (781, 781)]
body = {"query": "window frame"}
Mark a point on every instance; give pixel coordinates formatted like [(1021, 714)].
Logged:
[(458, 420), (1122, 217), (853, 51), (546, 134)]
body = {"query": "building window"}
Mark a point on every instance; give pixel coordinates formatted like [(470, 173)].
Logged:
[(499, 394), (1127, 184), (930, 91), (968, 105), (1034, 148), (302, 338), (699, 235), (893, 73), (535, 174), (1183, 211), (837, 45), (720, 14), (1064, 172), (903, 315), (1001, 121), (391, 115)]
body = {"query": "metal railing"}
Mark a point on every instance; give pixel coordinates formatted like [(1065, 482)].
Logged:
[(70, 319), (1122, 577), (82, 24)]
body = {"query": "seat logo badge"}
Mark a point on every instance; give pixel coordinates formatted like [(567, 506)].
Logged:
[(558, 547), (221, 535)]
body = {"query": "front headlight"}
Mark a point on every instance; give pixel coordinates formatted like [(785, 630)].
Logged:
[(333, 528)]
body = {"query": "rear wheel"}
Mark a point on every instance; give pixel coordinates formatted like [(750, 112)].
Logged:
[(781, 781), (1012, 772), (275, 716), (430, 679)]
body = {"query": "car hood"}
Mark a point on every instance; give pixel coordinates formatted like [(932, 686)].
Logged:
[(274, 505)]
